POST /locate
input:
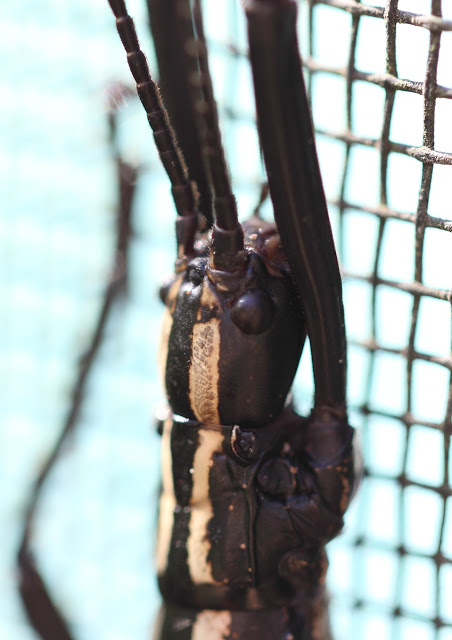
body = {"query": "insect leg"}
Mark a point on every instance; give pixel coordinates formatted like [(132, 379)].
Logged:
[(43, 614), (287, 140)]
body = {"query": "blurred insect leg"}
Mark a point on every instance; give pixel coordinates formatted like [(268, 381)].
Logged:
[(42, 613)]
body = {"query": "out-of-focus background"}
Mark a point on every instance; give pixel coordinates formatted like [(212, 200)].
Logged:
[(381, 84)]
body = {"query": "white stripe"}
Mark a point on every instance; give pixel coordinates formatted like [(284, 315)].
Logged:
[(198, 543), (212, 625), (162, 357), (204, 373), (167, 501)]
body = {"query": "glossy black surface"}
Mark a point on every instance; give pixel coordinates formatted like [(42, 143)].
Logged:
[(256, 367)]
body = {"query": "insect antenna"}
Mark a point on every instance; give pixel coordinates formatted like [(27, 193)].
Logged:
[(227, 235), (172, 33), (183, 190)]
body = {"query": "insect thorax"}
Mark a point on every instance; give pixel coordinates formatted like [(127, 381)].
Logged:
[(232, 341)]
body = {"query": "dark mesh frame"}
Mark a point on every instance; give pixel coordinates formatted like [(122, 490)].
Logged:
[(429, 157), (65, 494)]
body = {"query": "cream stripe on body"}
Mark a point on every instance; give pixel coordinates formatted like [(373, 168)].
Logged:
[(198, 543), (203, 396), (204, 372), (167, 325), (212, 625), (167, 501), (203, 383)]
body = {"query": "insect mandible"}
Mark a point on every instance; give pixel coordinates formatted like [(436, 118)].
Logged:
[(251, 491)]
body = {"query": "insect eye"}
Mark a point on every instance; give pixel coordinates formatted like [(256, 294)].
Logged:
[(253, 312)]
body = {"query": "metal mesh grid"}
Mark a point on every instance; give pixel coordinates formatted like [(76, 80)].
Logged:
[(397, 613), (390, 572)]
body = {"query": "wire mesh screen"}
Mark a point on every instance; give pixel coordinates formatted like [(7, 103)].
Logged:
[(381, 86), (400, 583)]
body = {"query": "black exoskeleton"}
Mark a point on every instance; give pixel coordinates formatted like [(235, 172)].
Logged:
[(251, 491)]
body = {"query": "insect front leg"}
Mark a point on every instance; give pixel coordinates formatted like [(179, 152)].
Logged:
[(304, 492)]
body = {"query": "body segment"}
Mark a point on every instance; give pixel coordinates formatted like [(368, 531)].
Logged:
[(255, 491), (251, 491)]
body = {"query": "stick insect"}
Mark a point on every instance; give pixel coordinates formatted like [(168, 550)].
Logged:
[(251, 490)]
